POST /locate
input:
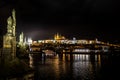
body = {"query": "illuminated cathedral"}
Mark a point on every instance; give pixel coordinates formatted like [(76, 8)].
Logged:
[(58, 37)]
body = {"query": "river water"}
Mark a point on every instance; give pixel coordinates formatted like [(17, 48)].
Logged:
[(73, 67)]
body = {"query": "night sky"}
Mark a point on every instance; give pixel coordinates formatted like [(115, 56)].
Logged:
[(83, 19)]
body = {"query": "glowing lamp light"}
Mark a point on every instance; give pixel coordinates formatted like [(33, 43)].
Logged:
[(29, 41)]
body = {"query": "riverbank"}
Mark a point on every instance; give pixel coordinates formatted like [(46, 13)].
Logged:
[(14, 68)]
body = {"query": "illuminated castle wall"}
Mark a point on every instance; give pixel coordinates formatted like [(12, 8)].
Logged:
[(61, 39)]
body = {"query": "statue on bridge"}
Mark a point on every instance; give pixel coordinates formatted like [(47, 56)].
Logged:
[(11, 24), (9, 39)]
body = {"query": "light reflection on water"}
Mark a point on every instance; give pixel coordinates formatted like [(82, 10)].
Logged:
[(83, 68), (72, 67), (66, 66), (82, 65)]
